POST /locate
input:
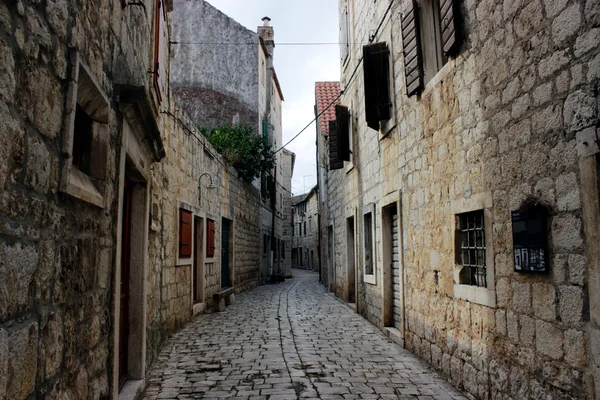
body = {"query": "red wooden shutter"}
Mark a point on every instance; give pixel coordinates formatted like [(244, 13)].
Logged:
[(413, 65), (447, 25), (334, 160), (185, 234), (376, 68), (210, 238), (159, 51), (342, 119)]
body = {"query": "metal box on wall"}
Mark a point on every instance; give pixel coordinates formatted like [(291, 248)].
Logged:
[(530, 240)]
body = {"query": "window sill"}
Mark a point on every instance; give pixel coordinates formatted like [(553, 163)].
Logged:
[(81, 187), (474, 294), (370, 279), (349, 167), (437, 78), (182, 262)]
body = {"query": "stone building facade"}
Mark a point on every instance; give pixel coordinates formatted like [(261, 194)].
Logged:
[(99, 168), (486, 126), (305, 244), (223, 73)]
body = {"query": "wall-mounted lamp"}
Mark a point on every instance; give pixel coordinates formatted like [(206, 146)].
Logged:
[(210, 186)]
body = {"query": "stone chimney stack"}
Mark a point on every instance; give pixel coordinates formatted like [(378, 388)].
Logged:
[(266, 33)]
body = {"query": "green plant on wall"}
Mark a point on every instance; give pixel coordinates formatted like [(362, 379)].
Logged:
[(243, 148)]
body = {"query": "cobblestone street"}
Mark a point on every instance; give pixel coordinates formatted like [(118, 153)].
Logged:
[(288, 341)]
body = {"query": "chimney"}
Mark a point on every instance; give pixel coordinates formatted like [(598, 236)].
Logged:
[(266, 33)]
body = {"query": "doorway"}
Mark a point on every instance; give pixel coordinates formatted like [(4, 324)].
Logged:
[(350, 261), (225, 253), (198, 263), (124, 284), (393, 287)]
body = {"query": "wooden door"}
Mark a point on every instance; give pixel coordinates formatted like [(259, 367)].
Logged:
[(225, 276), (124, 284), (197, 227)]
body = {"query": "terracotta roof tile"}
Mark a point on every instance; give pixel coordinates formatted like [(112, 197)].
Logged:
[(325, 93)]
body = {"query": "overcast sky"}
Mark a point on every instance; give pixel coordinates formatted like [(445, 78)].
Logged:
[(298, 67)]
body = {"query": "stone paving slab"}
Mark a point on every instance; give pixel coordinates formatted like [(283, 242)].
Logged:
[(289, 341)]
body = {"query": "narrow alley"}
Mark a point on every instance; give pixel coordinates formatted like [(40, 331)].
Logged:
[(288, 341)]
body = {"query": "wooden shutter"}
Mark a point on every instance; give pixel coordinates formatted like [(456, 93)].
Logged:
[(210, 238), (159, 51), (185, 234), (376, 68), (411, 39), (447, 25), (334, 160), (344, 45), (342, 119)]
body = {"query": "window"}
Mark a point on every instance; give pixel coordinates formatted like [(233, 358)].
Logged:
[(428, 36), (474, 254), (339, 138), (368, 244), (86, 138), (376, 68), (304, 228), (82, 140), (210, 238), (185, 234), (310, 224), (472, 248), (344, 43), (159, 50)]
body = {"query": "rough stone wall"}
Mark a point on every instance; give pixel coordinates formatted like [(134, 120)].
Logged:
[(175, 185), (288, 160), (500, 119), (218, 56), (57, 252)]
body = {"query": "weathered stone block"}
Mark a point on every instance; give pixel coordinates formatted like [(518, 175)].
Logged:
[(553, 7), (570, 305), (544, 301), (512, 323), (566, 233), (4, 355), (519, 383), (575, 352), (579, 111), (521, 300), (577, 269), (52, 346), (566, 24), (501, 328), (548, 66), (18, 264), (23, 349), (503, 295), (549, 340), (7, 72), (5, 18), (526, 330), (567, 192), (56, 12)]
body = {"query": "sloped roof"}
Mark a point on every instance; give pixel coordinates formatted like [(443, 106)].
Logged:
[(302, 197), (325, 93)]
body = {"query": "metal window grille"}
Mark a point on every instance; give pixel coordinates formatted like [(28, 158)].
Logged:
[(472, 231)]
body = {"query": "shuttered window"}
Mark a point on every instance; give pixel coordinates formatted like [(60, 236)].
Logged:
[(159, 51), (185, 234), (376, 68), (334, 160), (342, 119), (411, 38), (210, 238), (447, 10), (344, 43)]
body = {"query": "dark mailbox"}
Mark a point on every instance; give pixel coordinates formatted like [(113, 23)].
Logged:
[(530, 240)]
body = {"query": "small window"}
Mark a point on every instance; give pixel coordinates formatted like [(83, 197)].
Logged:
[(210, 238), (310, 224), (304, 228), (82, 140), (472, 248), (185, 234), (368, 244)]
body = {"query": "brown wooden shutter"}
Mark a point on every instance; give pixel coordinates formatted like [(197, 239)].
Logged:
[(342, 119), (411, 39), (334, 160), (185, 234), (376, 68), (447, 25), (210, 238)]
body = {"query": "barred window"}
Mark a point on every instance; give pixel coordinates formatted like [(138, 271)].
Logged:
[(472, 246)]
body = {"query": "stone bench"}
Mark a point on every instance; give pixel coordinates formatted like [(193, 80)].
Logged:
[(223, 298)]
